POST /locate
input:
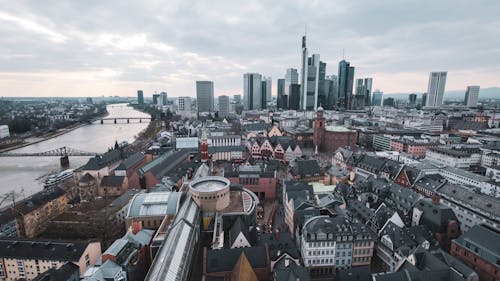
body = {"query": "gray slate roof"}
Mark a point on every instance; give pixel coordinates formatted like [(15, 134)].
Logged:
[(42, 249), (483, 239), (223, 260)]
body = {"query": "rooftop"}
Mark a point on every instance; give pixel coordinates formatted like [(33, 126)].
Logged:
[(482, 240), (154, 204), (486, 204), (42, 249), (339, 129), (210, 184)]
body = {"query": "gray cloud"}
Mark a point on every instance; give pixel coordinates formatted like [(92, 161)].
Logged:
[(115, 47)]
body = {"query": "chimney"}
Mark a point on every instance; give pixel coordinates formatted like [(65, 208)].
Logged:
[(136, 227), (435, 199)]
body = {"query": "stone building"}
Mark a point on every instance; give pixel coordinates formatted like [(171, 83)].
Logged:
[(330, 138)]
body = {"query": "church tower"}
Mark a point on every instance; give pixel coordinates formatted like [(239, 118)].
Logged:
[(319, 125), (204, 145)]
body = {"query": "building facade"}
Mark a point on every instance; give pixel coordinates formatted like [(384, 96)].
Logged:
[(471, 96), (435, 89), (252, 91), (223, 106), (205, 96), (478, 248), (346, 81)]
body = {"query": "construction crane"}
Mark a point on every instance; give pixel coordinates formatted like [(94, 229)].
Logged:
[(12, 196)]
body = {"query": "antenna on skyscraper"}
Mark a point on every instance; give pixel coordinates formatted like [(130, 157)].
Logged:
[(305, 30), (343, 56)]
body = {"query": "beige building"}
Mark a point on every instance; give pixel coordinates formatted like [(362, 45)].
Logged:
[(27, 258), (30, 216)]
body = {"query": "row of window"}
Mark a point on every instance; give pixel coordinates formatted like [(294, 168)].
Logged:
[(211, 197), (362, 251), (361, 259)]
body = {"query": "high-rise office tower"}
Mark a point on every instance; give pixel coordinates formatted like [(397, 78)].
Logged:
[(424, 99), (323, 86), (310, 96), (358, 101), (291, 76), (368, 91), (155, 98), (412, 99), (140, 97), (346, 79), (359, 87), (377, 98), (303, 74), (282, 100), (266, 91), (223, 106), (435, 89), (333, 91), (294, 98), (389, 102), (237, 99), (205, 96), (471, 96), (184, 103), (252, 93), (163, 99)]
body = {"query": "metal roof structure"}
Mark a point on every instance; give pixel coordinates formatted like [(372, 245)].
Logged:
[(154, 204)]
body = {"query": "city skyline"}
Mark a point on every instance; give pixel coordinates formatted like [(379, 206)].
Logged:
[(54, 50)]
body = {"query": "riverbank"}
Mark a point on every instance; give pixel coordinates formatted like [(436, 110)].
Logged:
[(49, 136)]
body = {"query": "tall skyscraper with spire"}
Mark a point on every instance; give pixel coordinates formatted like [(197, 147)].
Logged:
[(303, 75)]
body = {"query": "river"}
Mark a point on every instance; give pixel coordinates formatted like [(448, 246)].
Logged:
[(25, 175)]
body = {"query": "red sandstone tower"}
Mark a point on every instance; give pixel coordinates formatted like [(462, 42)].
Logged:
[(204, 145), (319, 125)]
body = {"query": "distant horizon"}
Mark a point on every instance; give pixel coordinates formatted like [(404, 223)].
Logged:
[(149, 96), (63, 49)]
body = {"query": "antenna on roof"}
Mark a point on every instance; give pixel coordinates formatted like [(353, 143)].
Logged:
[(343, 56)]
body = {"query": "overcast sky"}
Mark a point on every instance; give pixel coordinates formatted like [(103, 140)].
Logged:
[(93, 48)]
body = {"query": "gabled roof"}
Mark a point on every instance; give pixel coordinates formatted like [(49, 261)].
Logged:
[(346, 153), (279, 244), (483, 241), (224, 260), (435, 216), (288, 270), (237, 228), (87, 178), (307, 168), (412, 174), (393, 168), (113, 181), (99, 162), (243, 270), (131, 161), (65, 272)]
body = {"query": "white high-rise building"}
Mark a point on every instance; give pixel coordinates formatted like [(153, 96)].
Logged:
[(311, 98), (252, 93), (435, 90), (184, 103), (471, 96), (205, 96), (163, 99), (4, 131)]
